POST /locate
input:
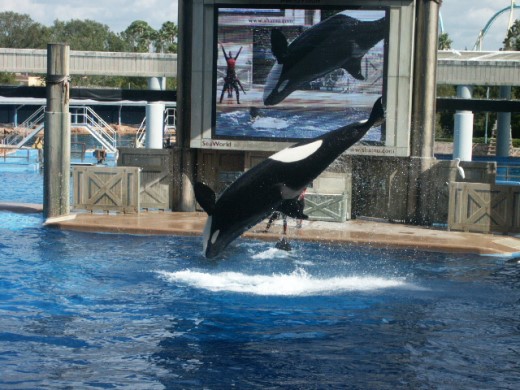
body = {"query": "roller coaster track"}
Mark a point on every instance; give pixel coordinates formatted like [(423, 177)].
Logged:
[(483, 32)]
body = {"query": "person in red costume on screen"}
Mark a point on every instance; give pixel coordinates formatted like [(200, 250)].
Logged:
[(231, 80)]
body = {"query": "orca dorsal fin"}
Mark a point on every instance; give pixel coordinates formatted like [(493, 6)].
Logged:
[(205, 196), (278, 45), (353, 66)]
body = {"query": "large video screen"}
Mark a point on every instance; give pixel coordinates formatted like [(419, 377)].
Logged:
[(291, 74)]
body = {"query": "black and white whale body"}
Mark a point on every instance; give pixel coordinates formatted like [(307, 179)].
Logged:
[(337, 42), (275, 183)]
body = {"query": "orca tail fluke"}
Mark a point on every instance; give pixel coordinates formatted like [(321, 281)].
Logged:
[(378, 114)]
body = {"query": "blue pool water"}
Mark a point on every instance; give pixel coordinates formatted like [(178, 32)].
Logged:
[(21, 179), (290, 123), (82, 310)]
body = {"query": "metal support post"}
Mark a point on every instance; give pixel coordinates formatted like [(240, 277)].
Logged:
[(504, 126), (463, 131), (154, 126)]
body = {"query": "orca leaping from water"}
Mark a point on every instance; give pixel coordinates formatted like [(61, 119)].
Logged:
[(274, 183), (337, 42)]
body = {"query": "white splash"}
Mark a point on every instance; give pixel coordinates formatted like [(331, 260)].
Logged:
[(269, 123), (271, 253), (297, 283)]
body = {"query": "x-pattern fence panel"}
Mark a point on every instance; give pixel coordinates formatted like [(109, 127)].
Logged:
[(481, 207), (324, 207), (156, 175), (106, 189)]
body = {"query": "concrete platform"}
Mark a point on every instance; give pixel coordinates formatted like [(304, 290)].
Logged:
[(363, 232), (359, 231)]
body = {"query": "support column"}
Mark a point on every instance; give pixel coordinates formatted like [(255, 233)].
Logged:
[(56, 147), (504, 126), (423, 110), (157, 83), (463, 128), (184, 197), (155, 116), (154, 126)]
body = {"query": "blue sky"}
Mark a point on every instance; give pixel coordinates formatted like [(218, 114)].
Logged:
[(462, 19)]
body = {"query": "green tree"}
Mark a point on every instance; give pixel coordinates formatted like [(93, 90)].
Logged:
[(512, 39), (444, 42), (166, 39), (444, 119), (7, 78), (20, 31), (512, 42), (86, 35), (139, 36)]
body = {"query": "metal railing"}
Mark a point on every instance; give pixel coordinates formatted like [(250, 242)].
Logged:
[(78, 149), (169, 127), (508, 171), (82, 116), (20, 135), (96, 126), (139, 135), (13, 157)]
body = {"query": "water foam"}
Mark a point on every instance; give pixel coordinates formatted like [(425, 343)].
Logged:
[(270, 123), (297, 283), (271, 253)]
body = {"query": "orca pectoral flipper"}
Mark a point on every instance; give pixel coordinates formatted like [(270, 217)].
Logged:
[(205, 196), (353, 66)]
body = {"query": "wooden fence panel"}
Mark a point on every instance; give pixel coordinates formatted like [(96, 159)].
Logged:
[(156, 175), (106, 189), (485, 208), (324, 207), (515, 209)]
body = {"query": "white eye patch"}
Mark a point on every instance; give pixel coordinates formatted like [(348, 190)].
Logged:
[(297, 153), (283, 85)]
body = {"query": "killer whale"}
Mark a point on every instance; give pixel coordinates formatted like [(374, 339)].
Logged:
[(274, 184), (340, 41)]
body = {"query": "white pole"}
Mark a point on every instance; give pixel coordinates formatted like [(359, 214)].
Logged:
[(463, 132), (154, 126)]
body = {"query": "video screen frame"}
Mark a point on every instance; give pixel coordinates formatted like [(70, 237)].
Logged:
[(397, 83)]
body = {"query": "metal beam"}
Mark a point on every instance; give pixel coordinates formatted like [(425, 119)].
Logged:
[(500, 68), (453, 67), (91, 63), (477, 105), (98, 94)]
